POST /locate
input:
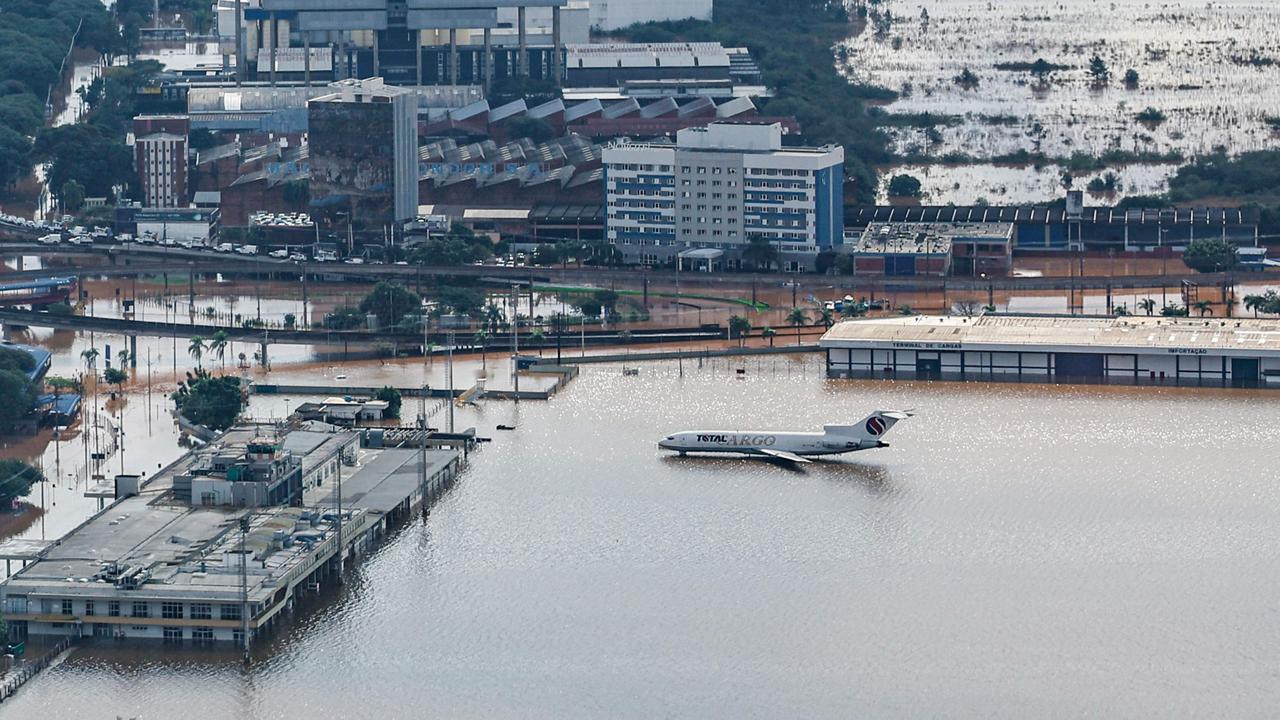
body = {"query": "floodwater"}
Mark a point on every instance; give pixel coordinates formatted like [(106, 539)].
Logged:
[(1210, 68), (1019, 551), (1014, 185)]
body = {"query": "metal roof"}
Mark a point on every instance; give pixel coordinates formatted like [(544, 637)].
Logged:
[(1044, 333)]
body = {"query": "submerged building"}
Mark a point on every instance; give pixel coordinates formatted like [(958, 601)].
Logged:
[(196, 554), (1234, 352)]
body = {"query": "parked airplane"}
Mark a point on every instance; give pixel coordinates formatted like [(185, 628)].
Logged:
[(790, 446)]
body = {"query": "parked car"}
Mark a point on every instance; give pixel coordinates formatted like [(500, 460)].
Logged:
[(298, 257), (280, 254), (224, 248), (51, 239)]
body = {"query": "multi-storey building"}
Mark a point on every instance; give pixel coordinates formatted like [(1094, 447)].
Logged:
[(160, 156), (706, 198), (364, 152)]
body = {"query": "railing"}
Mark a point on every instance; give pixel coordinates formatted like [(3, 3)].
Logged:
[(29, 670)]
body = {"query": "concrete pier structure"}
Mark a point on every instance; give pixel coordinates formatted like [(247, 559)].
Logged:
[(155, 566)]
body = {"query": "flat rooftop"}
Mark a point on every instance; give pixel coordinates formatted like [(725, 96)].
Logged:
[(194, 550), (1193, 336)]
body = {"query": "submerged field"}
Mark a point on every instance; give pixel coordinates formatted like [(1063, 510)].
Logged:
[(1209, 71)]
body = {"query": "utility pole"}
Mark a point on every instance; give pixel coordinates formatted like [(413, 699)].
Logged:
[(515, 340), (449, 379), (244, 587)]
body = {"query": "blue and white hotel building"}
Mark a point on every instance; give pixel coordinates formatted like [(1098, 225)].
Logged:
[(703, 199)]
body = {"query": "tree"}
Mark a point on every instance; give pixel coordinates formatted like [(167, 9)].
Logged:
[(196, 349), (391, 397), (796, 318), (904, 186), (72, 195), (966, 79), (1041, 69), (214, 402), (218, 347), (1147, 305), (391, 303), (1208, 255), (1174, 311), (740, 326), (122, 357), (462, 300), (1204, 306), (826, 317), (1131, 78), (589, 307), (290, 320), (16, 479), (117, 377), (760, 253), (19, 396), (768, 333), (1098, 71), (90, 358), (608, 300)]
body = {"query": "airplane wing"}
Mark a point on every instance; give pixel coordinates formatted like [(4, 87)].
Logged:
[(779, 454)]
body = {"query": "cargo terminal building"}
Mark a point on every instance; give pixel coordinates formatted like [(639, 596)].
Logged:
[(1038, 348)]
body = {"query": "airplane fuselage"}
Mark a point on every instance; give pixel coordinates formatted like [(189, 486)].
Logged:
[(754, 443)]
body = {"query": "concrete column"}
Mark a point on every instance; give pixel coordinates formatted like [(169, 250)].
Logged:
[(555, 44), (306, 59), (417, 54), (453, 56), (239, 42), (522, 61), (273, 25), (488, 59), (376, 71)]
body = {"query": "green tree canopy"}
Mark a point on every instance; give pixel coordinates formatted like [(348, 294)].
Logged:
[(18, 393), (391, 397), (904, 186), (391, 303), (214, 402), (1210, 255), (16, 479)]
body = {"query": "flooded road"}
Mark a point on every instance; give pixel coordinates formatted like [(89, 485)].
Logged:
[(1020, 550)]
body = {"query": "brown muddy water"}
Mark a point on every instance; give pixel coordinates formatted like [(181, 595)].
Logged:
[(1019, 551)]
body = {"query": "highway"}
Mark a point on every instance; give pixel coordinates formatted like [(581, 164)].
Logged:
[(131, 260)]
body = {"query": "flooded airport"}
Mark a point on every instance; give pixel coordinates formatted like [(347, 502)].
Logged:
[(1019, 550)]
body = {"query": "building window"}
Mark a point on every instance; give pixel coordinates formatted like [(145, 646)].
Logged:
[(202, 634), (171, 610), (88, 608), (229, 612), (173, 635), (140, 610), (113, 608), (201, 611)]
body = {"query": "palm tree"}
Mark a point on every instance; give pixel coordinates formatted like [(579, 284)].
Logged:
[(827, 317), (797, 318), (196, 349), (1254, 303), (218, 346), (1148, 305), (1204, 306), (482, 339), (760, 253), (740, 326), (768, 333), (90, 358), (493, 317), (123, 357)]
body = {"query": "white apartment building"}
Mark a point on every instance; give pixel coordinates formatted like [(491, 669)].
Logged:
[(706, 197)]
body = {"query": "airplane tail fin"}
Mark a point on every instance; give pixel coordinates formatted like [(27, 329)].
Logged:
[(874, 426)]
